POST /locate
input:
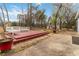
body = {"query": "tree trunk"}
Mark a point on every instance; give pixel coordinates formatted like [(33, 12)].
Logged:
[(3, 34), (30, 15), (60, 24), (55, 28)]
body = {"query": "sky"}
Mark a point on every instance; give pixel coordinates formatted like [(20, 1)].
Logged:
[(16, 8)]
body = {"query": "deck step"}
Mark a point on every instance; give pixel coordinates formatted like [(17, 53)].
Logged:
[(17, 40)]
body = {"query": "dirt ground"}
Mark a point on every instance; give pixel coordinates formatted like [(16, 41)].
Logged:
[(49, 45)]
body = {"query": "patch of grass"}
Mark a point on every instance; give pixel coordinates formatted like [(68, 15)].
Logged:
[(7, 52)]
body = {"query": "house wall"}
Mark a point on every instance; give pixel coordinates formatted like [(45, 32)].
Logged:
[(78, 25)]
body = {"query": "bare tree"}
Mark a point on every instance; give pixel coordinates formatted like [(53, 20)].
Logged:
[(65, 12), (59, 6), (6, 12), (3, 21)]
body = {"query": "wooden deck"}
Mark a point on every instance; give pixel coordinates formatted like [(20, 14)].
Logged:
[(22, 36)]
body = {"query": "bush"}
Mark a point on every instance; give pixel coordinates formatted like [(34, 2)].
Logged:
[(14, 23)]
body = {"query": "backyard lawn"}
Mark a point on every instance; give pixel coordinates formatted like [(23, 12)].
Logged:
[(50, 44)]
